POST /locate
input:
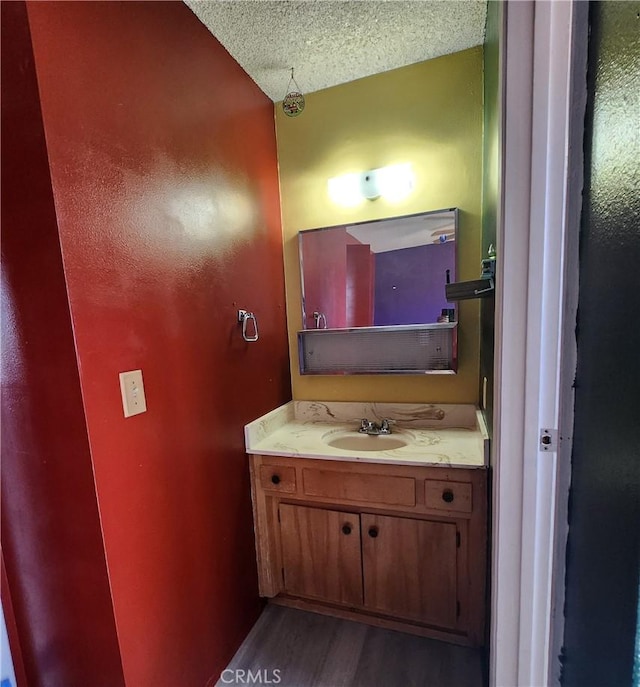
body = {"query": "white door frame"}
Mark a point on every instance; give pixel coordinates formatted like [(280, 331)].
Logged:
[(541, 173)]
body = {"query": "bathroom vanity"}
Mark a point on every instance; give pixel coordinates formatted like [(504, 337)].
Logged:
[(389, 530)]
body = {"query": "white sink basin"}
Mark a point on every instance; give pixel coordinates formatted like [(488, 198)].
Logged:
[(355, 441)]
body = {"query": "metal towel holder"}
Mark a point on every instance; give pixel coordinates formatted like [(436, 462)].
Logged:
[(244, 316), (320, 319)]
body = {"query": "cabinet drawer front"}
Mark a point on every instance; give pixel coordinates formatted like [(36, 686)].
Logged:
[(372, 489), (448, 496), (278, 478)]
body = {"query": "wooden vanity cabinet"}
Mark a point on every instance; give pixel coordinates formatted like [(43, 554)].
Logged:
[(402, 547)]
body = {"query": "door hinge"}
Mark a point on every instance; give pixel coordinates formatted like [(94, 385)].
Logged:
[(457, 609), (282, 570), (548, 440), (278, 515), (458, 540)]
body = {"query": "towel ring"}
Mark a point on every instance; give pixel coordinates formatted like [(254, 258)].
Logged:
[(244, 317)]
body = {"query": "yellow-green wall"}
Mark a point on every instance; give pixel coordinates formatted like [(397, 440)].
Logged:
[(428, 114)]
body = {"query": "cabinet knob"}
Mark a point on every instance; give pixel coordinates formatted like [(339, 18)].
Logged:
[(447, 496), (276, 479), (346, 529), (373, 532)]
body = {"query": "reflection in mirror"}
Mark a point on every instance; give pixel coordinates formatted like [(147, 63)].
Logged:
[(381, 273)]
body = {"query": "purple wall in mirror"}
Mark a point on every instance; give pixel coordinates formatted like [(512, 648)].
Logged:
[(409, 283)]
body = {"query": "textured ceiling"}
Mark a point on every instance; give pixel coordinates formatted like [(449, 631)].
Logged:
[(405, 232), (329, 42)]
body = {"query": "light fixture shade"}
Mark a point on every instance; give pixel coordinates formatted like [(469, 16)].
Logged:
[(346, 190), (392, 183)]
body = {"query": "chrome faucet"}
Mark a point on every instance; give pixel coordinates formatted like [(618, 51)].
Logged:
[(369, 427)]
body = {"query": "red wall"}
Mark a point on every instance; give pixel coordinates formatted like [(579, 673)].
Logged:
[(359, 285), (324, 259), (51, 539), (163, 166)]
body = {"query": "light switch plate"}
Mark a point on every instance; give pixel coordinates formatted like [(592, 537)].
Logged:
[(132, 388)]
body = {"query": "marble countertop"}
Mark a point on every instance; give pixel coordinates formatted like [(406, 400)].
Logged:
[(445, 435)]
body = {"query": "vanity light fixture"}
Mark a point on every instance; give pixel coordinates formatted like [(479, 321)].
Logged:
[(393, 183)]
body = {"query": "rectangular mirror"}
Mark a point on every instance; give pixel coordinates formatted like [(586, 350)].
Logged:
[(377, 274)]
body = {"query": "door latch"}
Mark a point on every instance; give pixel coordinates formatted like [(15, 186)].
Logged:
[(548, 440)]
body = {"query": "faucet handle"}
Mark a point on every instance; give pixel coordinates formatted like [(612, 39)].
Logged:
[(365, 425), (385, 425)]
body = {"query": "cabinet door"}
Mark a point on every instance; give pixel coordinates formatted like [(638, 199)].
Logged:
[(321, 554), (410, 568)]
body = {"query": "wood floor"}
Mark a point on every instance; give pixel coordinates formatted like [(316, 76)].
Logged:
[(311, 650)]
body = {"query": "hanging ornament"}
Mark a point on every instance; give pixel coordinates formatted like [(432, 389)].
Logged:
[(293, 102)]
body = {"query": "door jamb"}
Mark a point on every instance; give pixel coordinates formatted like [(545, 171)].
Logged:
[(535, 318)]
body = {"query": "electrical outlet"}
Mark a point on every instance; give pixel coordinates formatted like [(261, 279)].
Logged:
[(132, 389)]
